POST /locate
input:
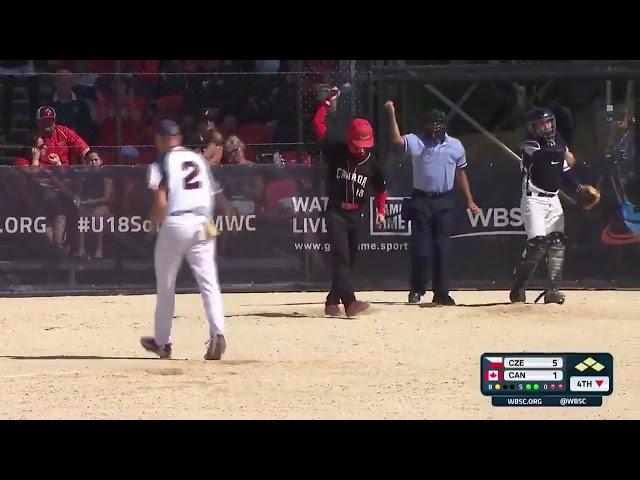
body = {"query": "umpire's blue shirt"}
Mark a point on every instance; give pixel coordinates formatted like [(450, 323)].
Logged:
[(434, 164)]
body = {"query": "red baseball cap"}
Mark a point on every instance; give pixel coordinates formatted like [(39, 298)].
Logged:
[(45, 113), (360, 133)]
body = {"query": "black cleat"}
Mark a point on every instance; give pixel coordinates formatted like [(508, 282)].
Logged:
[(150, 345), (332, 310), (554, 296), (517, 295), (414, 297), (355, 308), (215, 348), (443, 300)]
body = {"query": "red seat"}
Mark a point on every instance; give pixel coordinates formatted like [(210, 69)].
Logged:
[(130, 132), (255, 133), (148, 155), (108, 156), (171, 106), (276, 191)]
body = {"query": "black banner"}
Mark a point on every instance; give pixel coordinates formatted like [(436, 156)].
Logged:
[(86, 229)]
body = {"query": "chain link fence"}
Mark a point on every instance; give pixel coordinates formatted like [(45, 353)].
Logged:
[(269, 111)]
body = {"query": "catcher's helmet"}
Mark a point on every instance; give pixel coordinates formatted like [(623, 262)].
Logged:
[(541, 123), (435, 124)]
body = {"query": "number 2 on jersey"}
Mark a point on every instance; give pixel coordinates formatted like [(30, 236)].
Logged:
[(188, 181)]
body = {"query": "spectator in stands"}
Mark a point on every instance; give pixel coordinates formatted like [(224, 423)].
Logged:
[(245, 192), (129, 155), (63, 145), (234, 152), (96, 198), (229, 126), (57, 201), (131, 106), (206, 126), (72, 111), (210, 87), (146, 78), (214, 149), (282, 106)]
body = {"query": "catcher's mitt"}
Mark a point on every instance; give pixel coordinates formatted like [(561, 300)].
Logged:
[(590, 196)]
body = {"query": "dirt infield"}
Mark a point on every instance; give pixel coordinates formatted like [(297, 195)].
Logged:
[(78, 357)]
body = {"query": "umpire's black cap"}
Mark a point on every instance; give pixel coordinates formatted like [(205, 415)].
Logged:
[(436, 116), (167, 128)]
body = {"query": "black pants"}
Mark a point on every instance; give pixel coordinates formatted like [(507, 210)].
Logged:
[(342, 230), (432, 223)]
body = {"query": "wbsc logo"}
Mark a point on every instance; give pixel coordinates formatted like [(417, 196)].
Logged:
[(394, 224)]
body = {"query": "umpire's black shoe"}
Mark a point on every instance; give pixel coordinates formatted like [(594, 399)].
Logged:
[(554, 296), (517, 295), (414, 297), (443, 300)]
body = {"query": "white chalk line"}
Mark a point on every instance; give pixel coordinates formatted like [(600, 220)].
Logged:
[(39, 374)]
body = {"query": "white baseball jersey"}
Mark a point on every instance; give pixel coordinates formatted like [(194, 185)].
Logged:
[(187, 177), (190, 189)]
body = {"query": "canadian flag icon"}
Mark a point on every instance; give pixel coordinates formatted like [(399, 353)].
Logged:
[(493, 375)]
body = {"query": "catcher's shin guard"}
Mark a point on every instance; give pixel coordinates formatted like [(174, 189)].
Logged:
[(536, 250), (555, 263)]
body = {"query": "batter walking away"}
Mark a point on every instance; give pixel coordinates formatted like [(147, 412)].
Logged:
[(438, 161), (183, 202), (352, 171), (546, 163)]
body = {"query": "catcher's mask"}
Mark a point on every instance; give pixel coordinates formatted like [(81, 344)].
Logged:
[(541, 123), (435, 125)]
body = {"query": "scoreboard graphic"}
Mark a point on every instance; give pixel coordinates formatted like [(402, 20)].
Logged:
[(546, 379)]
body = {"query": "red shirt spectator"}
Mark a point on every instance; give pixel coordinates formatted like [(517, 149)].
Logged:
[(63, 145), (21, 162), (131, 106), (146, 71)]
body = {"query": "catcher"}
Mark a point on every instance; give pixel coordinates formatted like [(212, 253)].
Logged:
[(546, 164)]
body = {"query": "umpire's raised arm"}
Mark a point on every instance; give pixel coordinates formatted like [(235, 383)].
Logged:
[(396, 137)]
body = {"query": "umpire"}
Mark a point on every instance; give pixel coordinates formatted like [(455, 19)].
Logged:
[(438, 160)]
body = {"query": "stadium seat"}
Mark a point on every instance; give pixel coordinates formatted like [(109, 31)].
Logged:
[(278, 194), (130, 132), (171, 106)]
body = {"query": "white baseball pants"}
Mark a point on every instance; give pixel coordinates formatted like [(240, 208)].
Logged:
[(541, 215), (180, 237)]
